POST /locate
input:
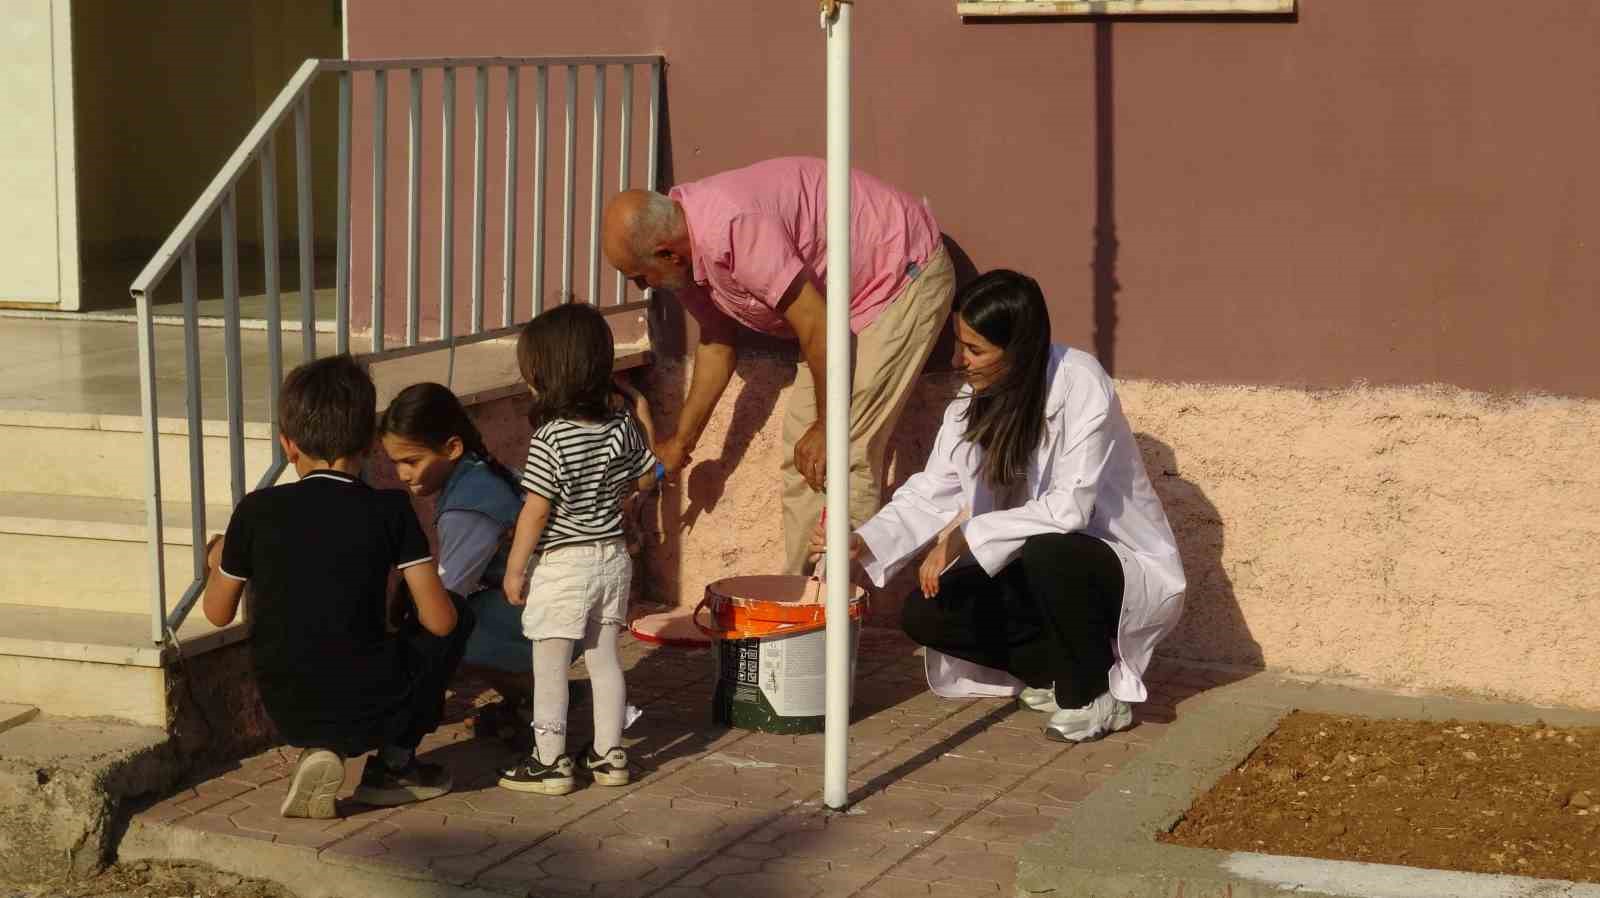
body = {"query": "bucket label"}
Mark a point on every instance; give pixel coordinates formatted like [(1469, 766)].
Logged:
[(793, 674)]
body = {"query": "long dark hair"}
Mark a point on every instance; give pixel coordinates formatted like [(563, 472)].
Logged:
[(429, 414), (566, 357), (1006, 418)]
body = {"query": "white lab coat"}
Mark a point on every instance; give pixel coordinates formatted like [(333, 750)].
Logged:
[(1086, 476)]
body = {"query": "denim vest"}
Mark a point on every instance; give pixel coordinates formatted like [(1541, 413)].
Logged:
[(474, 487)]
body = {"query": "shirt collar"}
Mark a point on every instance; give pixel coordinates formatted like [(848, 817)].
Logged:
[(697, 270), (330, 474)]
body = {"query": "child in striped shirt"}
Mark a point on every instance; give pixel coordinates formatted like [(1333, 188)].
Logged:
[(584, 459)]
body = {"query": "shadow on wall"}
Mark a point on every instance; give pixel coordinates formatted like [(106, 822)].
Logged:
[(1213, 628)]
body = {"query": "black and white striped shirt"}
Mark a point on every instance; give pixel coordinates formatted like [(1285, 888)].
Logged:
[(585, 469)]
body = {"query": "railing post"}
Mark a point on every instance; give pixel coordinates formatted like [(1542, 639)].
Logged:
[(152, 436), (480, 137), (541, 165), (414, 214), (270, 260), (231, 343), (380, 140), (569, 184), (653, 172), (597, 171), (508, 246), (447, 208), (303, 210), (342, 260), (191, 370), (625, 158)]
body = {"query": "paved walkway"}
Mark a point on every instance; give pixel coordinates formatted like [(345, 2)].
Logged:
[(944, 794)]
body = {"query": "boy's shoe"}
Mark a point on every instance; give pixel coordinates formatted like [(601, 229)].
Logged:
[(417, 781), (1104, 715), (318, 777), (611, 769), (1041, 700), (533, 775)]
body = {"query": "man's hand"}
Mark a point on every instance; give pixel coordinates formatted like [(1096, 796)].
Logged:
[(673, 455), (811, 457), (214, 554), (951, 545)]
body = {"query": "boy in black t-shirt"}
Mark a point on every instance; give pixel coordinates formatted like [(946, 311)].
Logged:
[(317, 555)]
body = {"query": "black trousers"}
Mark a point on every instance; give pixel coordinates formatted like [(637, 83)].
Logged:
[(434, 660), (1049, 618)]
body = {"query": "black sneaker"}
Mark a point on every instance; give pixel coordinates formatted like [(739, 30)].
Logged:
[(533, 775), (382, 787), (608, 770), (318, 777)]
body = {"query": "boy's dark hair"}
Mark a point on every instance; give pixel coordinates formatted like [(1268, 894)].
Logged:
[(329, 408), (566, 356), (429, 414)]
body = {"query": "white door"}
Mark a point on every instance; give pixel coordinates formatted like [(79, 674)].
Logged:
[(38, 195)]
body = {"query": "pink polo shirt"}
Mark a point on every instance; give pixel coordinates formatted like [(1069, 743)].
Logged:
[(754, 229)]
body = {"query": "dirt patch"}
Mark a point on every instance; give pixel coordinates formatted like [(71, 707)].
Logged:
[(147, 879), (1483, 798)]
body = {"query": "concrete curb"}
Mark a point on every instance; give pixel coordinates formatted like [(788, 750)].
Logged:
[(1107, 849), (298, 869)]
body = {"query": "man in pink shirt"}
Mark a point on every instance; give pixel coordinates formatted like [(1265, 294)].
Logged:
[(749, 247)]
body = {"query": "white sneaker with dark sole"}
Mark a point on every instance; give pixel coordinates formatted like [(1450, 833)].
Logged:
[(318, 777), (1101, 717)]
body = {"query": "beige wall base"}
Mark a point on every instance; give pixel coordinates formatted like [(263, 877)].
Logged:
[(1426, 537)]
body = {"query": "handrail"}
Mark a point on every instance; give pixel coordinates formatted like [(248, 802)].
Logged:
[(220, 201), (212, 196)]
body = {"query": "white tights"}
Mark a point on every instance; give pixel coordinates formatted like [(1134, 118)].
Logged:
[(552, 659)]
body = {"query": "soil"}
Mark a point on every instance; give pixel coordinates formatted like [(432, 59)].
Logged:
[(1476, 797), (151, 879)]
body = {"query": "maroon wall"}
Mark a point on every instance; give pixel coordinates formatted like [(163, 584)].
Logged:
[(1395, 192)]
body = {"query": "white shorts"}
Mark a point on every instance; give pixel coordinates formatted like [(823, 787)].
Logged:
[(570, 586)]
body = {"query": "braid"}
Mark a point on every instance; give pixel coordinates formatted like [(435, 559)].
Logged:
[(474, 443)]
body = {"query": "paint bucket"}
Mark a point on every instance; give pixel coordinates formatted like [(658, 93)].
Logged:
[(770, 647)]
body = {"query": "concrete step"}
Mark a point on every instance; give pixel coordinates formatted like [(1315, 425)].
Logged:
[(80, 454), (86, 663), (90, 554)]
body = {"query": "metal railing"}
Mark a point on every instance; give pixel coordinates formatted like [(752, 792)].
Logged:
[(291, 110)]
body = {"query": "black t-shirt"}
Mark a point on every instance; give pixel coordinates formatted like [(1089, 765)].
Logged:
[(317, 554)]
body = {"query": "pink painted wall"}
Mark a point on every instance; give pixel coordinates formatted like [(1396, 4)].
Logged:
[(1378, 191)]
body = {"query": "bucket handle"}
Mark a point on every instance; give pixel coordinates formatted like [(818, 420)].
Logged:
[(783, 629)]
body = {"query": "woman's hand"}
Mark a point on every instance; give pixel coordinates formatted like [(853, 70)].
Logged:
[(949, 547), (819, 544)]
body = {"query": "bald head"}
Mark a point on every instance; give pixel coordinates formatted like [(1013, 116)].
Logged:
[(644, 236)]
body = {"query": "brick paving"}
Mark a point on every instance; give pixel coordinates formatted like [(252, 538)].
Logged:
[(943, 795)]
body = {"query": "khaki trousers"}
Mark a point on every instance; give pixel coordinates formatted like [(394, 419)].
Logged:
[(889, 356)]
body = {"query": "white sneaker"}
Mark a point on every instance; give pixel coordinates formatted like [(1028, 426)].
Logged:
[(1104, 715), (1041, 700)]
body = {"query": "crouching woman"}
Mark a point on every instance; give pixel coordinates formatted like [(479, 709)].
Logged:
[(1050, 570)]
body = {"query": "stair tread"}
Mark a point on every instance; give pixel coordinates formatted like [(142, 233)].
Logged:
[(93, 517), (104, 636)]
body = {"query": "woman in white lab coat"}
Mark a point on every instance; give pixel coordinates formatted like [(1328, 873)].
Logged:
[(1050, 570)]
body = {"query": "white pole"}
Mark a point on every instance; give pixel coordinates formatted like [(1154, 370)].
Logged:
[(837, 721)]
